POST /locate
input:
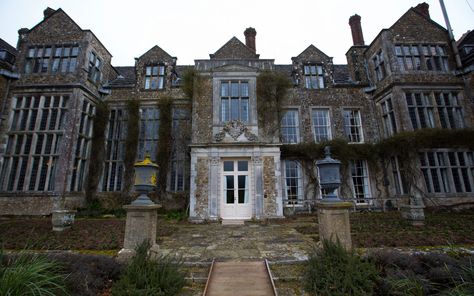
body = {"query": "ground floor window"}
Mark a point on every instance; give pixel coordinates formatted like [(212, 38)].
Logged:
[(447, 171), (360, 181), (293, 181), (399, 178)]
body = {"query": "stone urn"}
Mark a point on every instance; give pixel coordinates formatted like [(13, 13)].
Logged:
[(63, 219), (414, 211)]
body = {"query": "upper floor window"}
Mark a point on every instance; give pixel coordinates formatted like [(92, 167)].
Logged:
[(422, 110), (379, 66), (422, 57), (234, 101), (353, 126), (449, 110), (52, 59), (95, 68), (155, 77), (388, 116), (313, 76), (290, 127), (7, 57), (321, 125)]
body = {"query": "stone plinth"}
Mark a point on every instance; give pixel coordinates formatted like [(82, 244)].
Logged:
[(140, 226), (334, 224), (415, 214), (62, 219)]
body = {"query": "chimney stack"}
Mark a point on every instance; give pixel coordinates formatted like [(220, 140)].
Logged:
[(423, 9), (250, 34), (48, 11), (356, 29)]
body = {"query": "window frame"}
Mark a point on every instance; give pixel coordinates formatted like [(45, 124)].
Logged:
[(367, 193), (149, 76), (422, 57), (298, 185), (313, 79), (227, 111), (287, 138), (327, 127), (349, 128)]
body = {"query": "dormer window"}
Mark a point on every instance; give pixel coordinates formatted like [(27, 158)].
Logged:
[(155, 77), (313, 77)]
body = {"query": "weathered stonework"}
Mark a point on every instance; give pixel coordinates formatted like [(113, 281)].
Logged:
[(270, 193), (202, 188)]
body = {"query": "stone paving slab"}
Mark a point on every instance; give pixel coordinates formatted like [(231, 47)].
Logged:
[(252, 241)]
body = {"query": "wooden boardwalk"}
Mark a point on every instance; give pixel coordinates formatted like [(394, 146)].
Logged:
[(240, 278)]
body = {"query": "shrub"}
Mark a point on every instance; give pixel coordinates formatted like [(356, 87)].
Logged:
[(30, 274), (147, 276), (88, 274), (335, 271)]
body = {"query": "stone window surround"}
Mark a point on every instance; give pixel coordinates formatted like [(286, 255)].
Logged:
[(159, 65), (435, 109), (50, 141), (251, 78), (330, 130), (353, 108), (378, 61), (366, 182), (425, 171), (417, 54), (52, 60), (95, 65), (388, 115), (299, 126), (319, 76)]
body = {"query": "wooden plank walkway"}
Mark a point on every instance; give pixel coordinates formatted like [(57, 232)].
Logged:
[(240, 278)]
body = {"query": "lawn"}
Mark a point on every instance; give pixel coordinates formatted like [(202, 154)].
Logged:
[(368, 230)]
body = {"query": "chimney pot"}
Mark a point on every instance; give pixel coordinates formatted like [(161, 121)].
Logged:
[(423, 9), (250, 34), (356, 29)]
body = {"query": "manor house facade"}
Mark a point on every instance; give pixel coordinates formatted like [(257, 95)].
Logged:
[(226, 155)]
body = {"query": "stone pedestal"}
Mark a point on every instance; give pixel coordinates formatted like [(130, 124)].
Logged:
[(334, 224), (415, 214), (62, 219), (140, 226)]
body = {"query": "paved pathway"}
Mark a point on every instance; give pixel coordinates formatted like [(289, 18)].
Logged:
[(239, 278), (204, 242)]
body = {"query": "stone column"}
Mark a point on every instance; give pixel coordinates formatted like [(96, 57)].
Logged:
[(258, 175), (140, 226), (334, 224), (214, 192)]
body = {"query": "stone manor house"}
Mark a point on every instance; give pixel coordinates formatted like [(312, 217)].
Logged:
[(224, 158)]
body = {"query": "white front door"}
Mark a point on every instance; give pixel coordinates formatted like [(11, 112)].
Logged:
[(235, 200)]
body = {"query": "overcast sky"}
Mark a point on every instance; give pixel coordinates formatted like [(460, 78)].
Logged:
[(192, 30)]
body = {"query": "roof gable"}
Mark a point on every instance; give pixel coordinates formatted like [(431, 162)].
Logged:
[(312, 54), (155, 55), (58, 21), (234, 49), (413, 23)]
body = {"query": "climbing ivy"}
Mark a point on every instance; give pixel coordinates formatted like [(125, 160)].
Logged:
[(191, 83), (96, 160), (163, 153), (131, 144), (272, 88)]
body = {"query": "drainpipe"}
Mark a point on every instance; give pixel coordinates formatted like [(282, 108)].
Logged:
[(451, 36)]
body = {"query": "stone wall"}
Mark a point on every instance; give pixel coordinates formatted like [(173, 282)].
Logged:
[(202, 188), (270, 193), (35, 204), (202, 113)]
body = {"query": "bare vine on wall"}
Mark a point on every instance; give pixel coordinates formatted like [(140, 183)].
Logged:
[(272, 88), (97, 154), (131, 146), (165, 141)]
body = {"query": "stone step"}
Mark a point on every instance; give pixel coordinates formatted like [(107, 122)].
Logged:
[(233, 222)]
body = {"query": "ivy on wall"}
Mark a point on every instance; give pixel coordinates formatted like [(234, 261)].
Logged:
[(191, 83), (405, 146), (163, 153), (131, 146), (272, 88), (97, 154)]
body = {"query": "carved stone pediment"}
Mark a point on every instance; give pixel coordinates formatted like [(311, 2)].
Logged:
[(234, 68), (235, 129)]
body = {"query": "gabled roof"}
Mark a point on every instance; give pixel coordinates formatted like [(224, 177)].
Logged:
[(158, 51), (234, 49), (311, 51), (60, 11), (6, 46)]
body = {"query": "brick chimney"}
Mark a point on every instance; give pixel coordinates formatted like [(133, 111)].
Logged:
[(48, 11), (250, 34), (356, 29), (423, 9)]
